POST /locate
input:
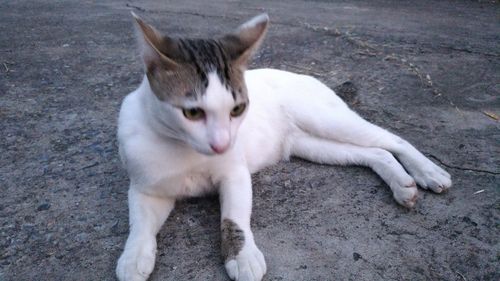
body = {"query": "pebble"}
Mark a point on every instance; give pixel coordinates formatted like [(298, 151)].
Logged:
[(43, 207)]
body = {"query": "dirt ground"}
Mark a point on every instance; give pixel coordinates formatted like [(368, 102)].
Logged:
[(427, 70)]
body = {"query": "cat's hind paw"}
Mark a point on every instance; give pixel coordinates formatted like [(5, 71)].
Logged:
[(248, 265), (430, 176), (136, 263), (406, 195)]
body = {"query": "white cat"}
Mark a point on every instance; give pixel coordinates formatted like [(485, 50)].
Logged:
[(200, 122)]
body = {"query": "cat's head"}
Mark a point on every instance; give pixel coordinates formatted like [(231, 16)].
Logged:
[(199, 84)]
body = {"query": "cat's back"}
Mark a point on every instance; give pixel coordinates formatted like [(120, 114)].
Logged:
[(268, 79), (281, 81), (286, 88)]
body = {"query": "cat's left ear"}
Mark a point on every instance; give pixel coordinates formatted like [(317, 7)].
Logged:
[(245, 41)]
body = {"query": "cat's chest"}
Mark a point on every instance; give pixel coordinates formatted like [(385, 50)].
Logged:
[(186, 182), (195, 183), (162, 169)]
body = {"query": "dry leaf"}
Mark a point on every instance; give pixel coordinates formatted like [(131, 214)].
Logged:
[(491, 115)]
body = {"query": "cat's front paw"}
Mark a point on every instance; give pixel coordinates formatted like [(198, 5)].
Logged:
[(248, 265), (137, 261)]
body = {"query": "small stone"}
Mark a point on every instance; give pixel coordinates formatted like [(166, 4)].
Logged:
[(356, 256), (43, 207)]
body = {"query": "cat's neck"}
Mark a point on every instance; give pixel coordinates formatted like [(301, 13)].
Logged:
[(151, 111)]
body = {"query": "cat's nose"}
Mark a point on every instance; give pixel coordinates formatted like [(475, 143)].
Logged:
[(220, 140), (219, 148)]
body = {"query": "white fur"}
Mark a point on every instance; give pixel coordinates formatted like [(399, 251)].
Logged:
[(169, 157), (262, 18)]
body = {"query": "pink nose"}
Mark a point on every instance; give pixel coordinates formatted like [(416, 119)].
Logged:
[(219, 149)]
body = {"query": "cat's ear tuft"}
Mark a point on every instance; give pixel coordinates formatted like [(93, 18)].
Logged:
[(151, 43), (247, 38)]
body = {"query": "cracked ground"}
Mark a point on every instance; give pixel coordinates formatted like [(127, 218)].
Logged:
[(426, 70)]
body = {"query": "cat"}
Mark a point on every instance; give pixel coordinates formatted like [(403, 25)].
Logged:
[(201, 122)]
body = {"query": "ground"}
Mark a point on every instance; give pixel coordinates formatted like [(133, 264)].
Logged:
[(427, 70)]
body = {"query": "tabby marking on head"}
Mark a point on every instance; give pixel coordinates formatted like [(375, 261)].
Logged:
[(178, 68)]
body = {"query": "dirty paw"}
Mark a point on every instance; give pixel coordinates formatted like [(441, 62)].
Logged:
[(248, 265)]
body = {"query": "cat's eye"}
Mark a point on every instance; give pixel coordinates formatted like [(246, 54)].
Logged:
[(194, 113), (238, 110)]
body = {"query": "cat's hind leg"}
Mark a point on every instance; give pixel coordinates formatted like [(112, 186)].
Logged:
[(337, 122), (381, 161), (147, 215)]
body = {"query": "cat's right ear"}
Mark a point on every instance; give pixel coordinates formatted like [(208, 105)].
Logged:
[(151, 44)]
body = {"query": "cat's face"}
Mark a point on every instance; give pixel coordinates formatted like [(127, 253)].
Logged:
[(199, 83), (208, 122)]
